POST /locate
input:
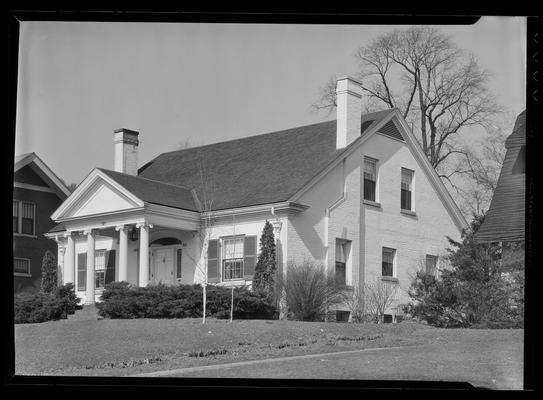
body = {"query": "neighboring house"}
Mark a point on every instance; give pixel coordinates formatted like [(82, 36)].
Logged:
[(356, 194), (504, 221), (37, 192)]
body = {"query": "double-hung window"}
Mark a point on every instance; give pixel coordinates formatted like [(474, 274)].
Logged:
[(406, 187), (342, 248), (232, 258), (370, 178), (24, 215), (388, 262)]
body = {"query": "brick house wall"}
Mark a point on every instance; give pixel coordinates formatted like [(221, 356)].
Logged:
[(34, 247), (370, 227)]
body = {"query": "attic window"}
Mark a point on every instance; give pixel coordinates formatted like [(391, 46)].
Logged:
[(520, 164)]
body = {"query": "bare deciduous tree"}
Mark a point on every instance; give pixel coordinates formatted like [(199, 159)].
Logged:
[(205, 196), (439, 89), (378, 296)]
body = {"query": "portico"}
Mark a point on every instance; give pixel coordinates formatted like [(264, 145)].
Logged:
[(107, 233)]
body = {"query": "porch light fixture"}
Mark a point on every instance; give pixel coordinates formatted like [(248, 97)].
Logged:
[(133, 234)]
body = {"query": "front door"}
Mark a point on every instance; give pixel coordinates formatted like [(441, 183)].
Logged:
[(163, 266)]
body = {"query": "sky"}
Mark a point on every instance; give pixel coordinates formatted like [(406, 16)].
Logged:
[(202, 83)]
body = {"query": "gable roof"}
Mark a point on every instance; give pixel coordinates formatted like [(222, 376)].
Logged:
[(504, 219), (44, 171), (255, 170), (416, 150), (155, 192)]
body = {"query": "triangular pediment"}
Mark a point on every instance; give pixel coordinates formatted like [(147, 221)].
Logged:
[(97, 195)]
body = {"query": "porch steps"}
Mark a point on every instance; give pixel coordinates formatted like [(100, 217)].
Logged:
[(89, 312)]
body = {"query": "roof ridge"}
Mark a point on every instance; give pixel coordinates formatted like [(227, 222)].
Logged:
[(147, 179), (247, 137)]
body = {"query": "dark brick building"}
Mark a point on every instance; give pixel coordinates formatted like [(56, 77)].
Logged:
[(37, 192)]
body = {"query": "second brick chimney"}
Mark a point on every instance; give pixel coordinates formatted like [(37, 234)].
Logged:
[(126, 151)]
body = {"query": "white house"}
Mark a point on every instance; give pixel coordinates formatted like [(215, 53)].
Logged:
[(356, 194)]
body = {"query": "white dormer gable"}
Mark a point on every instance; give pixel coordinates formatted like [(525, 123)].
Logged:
[(394, 127), (97, 194)]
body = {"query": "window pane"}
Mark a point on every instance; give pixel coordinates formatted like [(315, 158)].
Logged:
[(27, 226), (369, 169), (340, 251), (100, 260), (340, 273), (406, 200), (15, 208), (28, 210), (233, 248), (369, 190), (388, 262), (407, 176)]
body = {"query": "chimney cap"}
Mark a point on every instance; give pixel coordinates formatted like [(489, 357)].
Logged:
[(350, 78), (124, 130)]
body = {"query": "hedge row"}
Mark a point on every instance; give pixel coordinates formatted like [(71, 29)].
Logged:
[(122, 300), (41, 307)]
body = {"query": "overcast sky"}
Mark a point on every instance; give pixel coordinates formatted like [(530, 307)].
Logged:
[(204, 83)]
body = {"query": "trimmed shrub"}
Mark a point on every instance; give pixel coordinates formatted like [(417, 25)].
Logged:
[(121, 300), (41, 307)]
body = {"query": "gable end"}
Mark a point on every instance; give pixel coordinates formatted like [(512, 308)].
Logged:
[(390, 129)]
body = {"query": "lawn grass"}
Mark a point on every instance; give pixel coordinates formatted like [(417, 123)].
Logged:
[(123, 347)]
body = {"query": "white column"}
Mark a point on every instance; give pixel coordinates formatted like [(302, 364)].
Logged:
[(89, 294), (69, 259), (61, 251), (123, 253), (144, 254)]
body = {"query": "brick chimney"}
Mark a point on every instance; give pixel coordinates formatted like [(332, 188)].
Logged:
[(126, 151), (349, 111)]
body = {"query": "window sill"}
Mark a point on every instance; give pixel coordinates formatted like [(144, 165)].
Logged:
[(373, 204), (408, 212), (25, 235), (22, 275), (390, 279), (348, 288), (233, 282)]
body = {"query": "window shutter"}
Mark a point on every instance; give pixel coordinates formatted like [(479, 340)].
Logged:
[(249, 257), (213, 261), (110, 266), (82, 271)]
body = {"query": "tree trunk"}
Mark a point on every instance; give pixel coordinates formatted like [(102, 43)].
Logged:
[(204, 303), (232, 306)]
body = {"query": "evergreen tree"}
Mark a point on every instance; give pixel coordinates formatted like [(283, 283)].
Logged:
[(481, 288), (264, 278), (49, 276)]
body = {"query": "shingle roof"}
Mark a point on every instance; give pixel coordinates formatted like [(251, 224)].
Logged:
[(153, 191), (504, 220), (57, 228), (254, 170)]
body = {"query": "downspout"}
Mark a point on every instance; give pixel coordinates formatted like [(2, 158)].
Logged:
[(330, 208)]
